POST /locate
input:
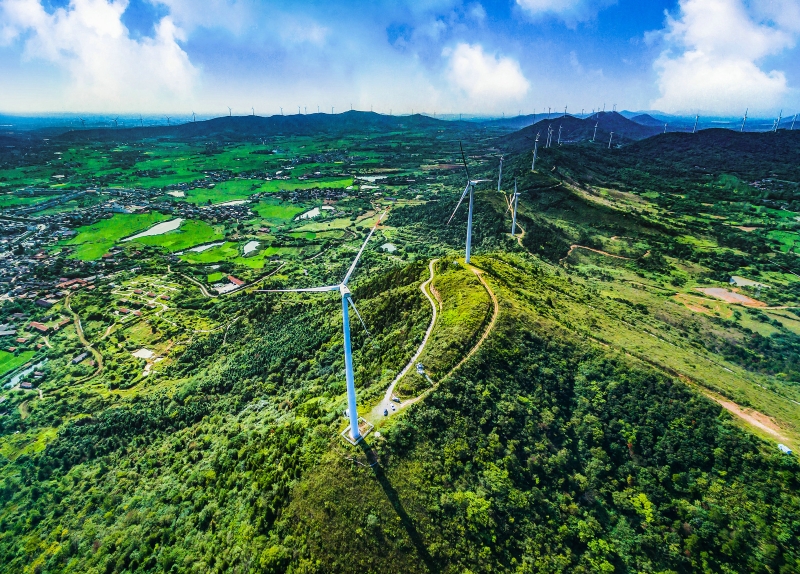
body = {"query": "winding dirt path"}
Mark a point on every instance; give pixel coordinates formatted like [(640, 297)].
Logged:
[(205, 292), (79, 330), (387, 403), (495, 313), (575, 246)]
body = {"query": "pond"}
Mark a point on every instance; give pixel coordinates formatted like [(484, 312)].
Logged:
[(158, 229)]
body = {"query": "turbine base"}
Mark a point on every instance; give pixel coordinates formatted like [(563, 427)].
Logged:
[(364, 428)]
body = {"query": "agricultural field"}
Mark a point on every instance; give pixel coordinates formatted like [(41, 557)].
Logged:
[(94, 241)]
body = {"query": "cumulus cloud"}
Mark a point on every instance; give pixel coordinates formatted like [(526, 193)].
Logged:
[(713, 54), (108, 69), (485, 77), (570, 11)]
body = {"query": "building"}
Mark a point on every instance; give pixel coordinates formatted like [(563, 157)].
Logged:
[(41, 327), (784, 449), (235, 281), (79, 358)]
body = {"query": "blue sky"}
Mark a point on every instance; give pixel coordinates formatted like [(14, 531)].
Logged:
[(443, 56)]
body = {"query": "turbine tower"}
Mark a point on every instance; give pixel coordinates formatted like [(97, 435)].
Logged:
[(115, 121), (665, 128), (347, 300), (469, 189), (609, 140), (194, 118), (559, 134), (744, 119), (794, 119), (778, 123), (696, 119), (254, 111), (513, 204), (230, 111), (535, 148), (500, 175), (594, 137), (167, 120), (83, 122)]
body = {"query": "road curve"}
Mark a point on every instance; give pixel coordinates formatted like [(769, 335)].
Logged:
[(79, 330), (496, 311), (386, 403)]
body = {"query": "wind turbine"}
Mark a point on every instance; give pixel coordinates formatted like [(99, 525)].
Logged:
[(331, 110), (609, 140), (347, 300), (513, 204), (778, 123), (298, 110), (141, 121), (470, 189), (594, 137), (230, 111), (115, 121), (791, 129), (535, 149), (744, 119), (281, 110), (696, 119), (665, 128), (83, 122), (559, 134), (500, 175), (194, 117), (254, 111), (167, 119)]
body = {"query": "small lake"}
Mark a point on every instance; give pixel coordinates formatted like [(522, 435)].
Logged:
[(158, 229), (206, 247), (251, 246)]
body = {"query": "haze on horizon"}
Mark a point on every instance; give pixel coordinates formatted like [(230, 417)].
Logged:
[(432, 56)]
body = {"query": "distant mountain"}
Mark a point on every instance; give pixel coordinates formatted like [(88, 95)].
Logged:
[(257, 126), (516, 122), (647, 120), (577, 130)]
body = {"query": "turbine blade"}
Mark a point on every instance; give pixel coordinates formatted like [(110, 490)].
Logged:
[(305, 290), (363, 324), (361, 251), (464, 159), (463, 195)]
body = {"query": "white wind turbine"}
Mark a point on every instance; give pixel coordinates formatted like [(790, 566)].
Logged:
[(696, 119), (559, 134), (594, 137), (778, 122), (791, 129), (744, 119), (513, 206), (230, 111), (470, 189), (609, 140), (535, 149), (347, 299)]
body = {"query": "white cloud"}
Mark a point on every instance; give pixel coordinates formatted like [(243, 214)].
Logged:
[(712, 56), (108, 70), (570, 11), (484, 76)]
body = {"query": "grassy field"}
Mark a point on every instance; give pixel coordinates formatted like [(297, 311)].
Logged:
[(232, 190), (466, 307), (9, 362), (275, 212), (189, 234), (93, 241), (231, 251)]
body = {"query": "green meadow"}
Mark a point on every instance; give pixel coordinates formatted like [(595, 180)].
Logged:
[(9, 361), (189, 234), (93, 241)]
